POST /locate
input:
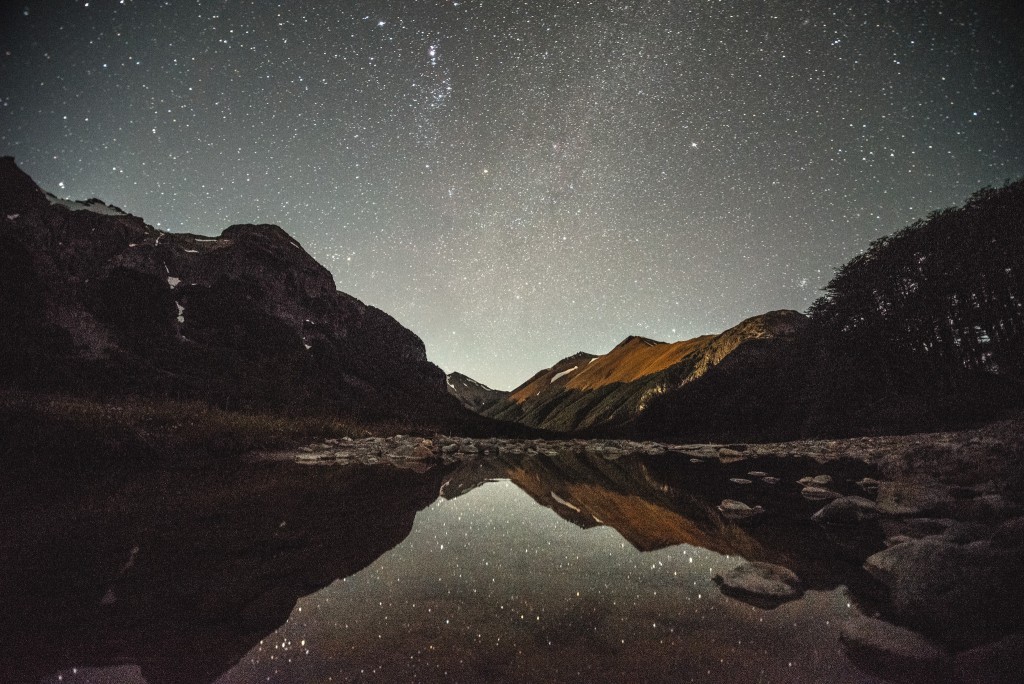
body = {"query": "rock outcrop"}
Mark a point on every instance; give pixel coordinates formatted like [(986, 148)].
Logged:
[(95, 300)]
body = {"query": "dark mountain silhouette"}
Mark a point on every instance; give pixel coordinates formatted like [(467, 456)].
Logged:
[(472, 394), (95, 301), (585, 391), (920, 332), (182, 573)]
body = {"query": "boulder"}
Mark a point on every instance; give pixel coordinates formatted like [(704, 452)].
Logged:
[(818, 493), (761, 584), (958, 592), (913, 498), (1009, 534), (999, 662), (894, 653), (846, 510), (737, 510), (916, 527), (422, 451), (966, 532)]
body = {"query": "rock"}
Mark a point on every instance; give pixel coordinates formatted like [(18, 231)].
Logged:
[(817, 480), (469, 448), (996, 663), (966, 532), (422, 451), (818, 493), (770, 480), (761, 584), (868, 483), (920, 497), (740, 480), (728, 453), (1010, 534), (898, 539), (449, 448), (737, 510), (988, 506), (957, 592), (846, 510), (695, 460), (757, 473), (892, 652), (917, 527)]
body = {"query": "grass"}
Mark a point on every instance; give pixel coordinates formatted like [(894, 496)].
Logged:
[(80, 433)]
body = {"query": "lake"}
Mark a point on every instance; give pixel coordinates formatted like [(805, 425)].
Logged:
[(538, 568)]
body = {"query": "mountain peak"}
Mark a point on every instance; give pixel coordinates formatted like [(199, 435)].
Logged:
[(627, 376), (637, 340), (20, 192), (472, 394)]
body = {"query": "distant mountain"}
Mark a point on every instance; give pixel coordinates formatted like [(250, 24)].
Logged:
[(94, 300), (472, 394), (587, 391)]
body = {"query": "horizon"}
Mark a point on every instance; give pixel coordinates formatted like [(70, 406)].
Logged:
[(511, 181)]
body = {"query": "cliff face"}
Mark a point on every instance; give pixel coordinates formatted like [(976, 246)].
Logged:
[(96, 300), (585, 391)]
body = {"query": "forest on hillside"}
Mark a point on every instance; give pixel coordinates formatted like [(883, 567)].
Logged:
[(921, 331)]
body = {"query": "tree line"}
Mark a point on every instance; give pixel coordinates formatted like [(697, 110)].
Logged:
[(924, 330)]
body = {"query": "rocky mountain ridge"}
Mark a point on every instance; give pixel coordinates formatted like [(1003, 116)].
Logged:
[(474, 395), (96, 300), (587, 391)]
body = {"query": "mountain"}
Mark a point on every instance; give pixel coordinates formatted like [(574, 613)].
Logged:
[(921, 332), (473, 395), (586, 391), (94, 300)]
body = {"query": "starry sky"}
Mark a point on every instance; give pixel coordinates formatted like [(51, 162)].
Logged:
[(517, 180)]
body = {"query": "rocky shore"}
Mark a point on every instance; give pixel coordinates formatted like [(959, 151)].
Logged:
[(946, 505)]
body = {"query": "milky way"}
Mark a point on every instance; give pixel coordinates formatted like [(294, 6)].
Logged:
[(518, 181)]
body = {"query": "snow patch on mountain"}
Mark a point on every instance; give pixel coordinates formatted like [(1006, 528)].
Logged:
[(563, 373)]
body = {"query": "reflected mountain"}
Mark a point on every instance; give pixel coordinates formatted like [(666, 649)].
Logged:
[(660, 501), (183, 572)]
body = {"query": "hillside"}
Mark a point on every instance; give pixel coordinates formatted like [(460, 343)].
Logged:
[(923, 331), (96, 302), (586, 391)]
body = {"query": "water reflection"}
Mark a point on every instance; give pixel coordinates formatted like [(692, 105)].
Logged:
[(222, 558), (609, 577), (491, 587)]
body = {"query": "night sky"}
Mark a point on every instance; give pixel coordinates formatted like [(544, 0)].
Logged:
[(516, 181)]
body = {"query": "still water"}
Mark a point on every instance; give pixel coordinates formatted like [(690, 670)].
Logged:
[(545, 569), (493, 587)]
